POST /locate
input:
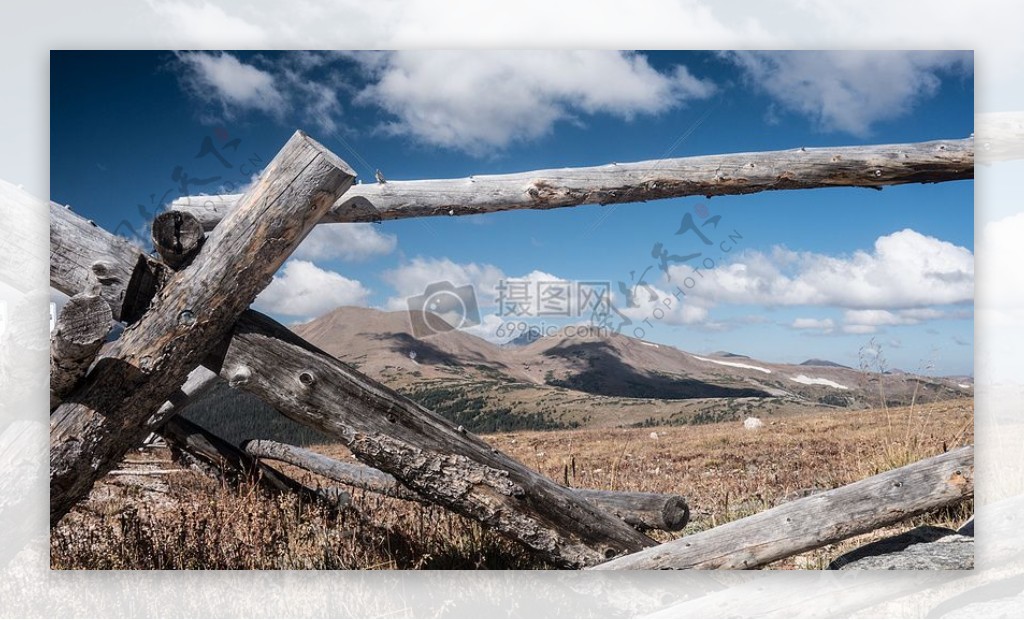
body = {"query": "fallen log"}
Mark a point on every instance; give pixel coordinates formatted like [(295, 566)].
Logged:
[(77, 337), (706, 175), (92, 430), (560, 526), (235, 464), (644, 511), (429, 455), (818, 520), (358, 476)]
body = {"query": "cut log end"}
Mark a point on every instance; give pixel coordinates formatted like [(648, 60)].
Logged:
[(177, 237)]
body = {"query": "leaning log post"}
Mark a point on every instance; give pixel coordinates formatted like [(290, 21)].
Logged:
[(92, 430), (818, 520), (77, 337), (644, 511), (872, 166)]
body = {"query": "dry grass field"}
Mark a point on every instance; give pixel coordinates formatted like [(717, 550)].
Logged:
[(185, 519)]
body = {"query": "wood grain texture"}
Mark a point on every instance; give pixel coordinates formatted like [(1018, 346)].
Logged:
[(424, 451), (78, 335), (874, 166), (644, 511), (818, 520), (92, 430)]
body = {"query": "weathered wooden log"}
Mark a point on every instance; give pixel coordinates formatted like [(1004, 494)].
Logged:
[(101, 264), (351, 474), (559, 525), (644, 511), (429, 455), (177, 237), (821, 519), (706, 175), (77, 337), (189, 437), (191, 313)]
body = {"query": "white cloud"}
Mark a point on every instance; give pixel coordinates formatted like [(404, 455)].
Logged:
[(413, 277), (849, 91), (222, 78), (349, 241), (905, 270), (301, 289), (662, 306), (868, 321), (823, 325), (477, 100)]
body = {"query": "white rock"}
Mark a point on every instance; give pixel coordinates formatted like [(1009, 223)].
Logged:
[(654, 435), (752, 423)]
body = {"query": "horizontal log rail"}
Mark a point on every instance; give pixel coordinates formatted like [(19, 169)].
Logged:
[(874, 166), (818, 520), (644, 511)]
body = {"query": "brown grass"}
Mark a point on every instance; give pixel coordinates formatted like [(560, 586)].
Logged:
[(725, 472)]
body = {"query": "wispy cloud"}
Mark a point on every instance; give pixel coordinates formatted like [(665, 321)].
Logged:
[(849, 91), (222, 79), (825, 326)]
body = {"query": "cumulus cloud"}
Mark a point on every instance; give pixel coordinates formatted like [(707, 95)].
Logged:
[(350, 242), (301, 289), (223, 79), (476, 100), (849, 91), (904, 270), (413, 277)]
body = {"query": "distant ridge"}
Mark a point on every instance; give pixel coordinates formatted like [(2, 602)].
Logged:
[(727, 354), (817, 362)]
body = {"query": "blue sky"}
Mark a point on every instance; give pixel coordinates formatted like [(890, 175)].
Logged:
[(813, 274)]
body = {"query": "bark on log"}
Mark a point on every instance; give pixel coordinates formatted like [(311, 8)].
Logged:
[(644, 511), (77, 337), (190, 315), (234, 463), (177, 237), (424, 451), (707, 175), (818, 520), (560, 526)]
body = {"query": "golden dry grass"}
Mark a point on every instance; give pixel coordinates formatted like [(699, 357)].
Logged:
[(724, 471)]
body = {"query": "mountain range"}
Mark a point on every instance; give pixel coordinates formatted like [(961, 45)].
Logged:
[(560, 381)]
